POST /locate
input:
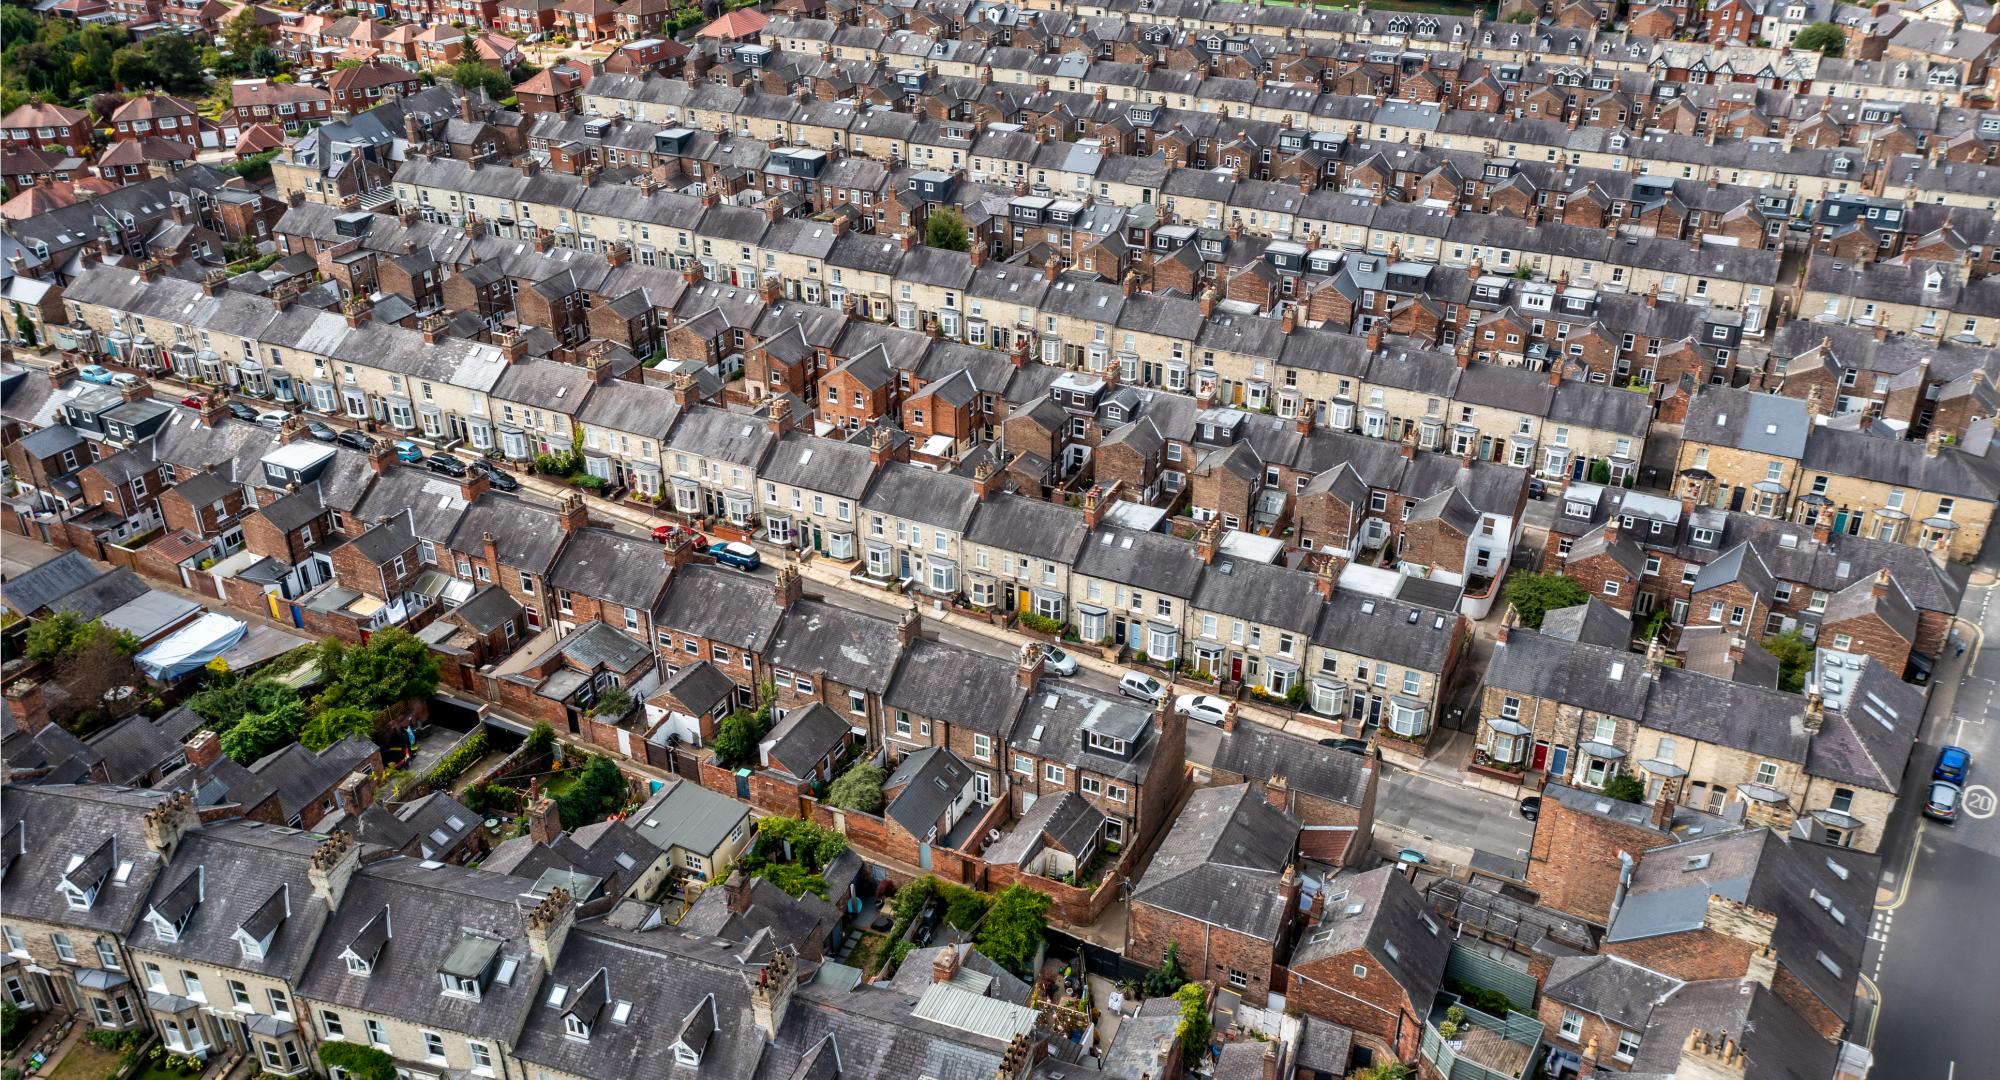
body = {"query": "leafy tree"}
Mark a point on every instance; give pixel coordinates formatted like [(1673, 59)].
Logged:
[(799, 840), (65, 633), (229, 700), (859, 788), (473, 74), (18, 24), (1388, 1070), (10, 1013), (257, 734), (541, 740), (599, 791), (1522, 17), (613, 703), (736, 739), (1535, 595), (100, 683), (133, 70), (393, 666), (103, 105), (1168, 977), (1795, 659), (1600, 471), (265, 62), (332, 725), (1626, 788), (1195, 1026), (358, 1061), (1821, 37), (1014, 926), (243, 35), (945, 228)]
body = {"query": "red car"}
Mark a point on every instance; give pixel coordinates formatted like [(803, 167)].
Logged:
[(194, 401), (667, 534)]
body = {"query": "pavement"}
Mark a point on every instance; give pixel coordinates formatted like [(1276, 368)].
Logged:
[(1932, 957)]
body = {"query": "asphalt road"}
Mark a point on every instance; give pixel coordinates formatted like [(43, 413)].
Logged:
[(1934, 959), (1447, 821)]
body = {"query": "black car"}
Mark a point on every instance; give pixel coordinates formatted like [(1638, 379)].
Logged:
[(355, 439), (446, 464), (501, 481), (320, 431), (242, 412), (1531, 807), (1352, 746)]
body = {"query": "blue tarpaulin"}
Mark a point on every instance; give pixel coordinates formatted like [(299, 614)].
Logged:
[(191, 647)]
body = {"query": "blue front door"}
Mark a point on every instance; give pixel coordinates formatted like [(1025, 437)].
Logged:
[(1559, 761)]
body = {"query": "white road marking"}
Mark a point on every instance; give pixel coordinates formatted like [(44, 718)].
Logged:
[(1980, 802)]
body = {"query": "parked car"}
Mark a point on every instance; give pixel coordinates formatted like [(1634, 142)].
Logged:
[(408, 451), (126, 378), (319, 431), (242, 412), (1942, 802), (667, 534), (356, 439), (737, 554), (501, 481), (95, 373), (1057, 662), (195, 401), (446, 465), (271, 419), (1142, 686), (1952, 764), (1206, 708), (1352, 746), (1531, 807)]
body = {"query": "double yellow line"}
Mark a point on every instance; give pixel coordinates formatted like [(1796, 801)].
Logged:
[(1902, 894)]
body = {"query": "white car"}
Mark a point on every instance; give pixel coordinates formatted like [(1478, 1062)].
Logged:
[(1141, 686), (271, 419), (125, 379), (1057, 662), (1206, 708)]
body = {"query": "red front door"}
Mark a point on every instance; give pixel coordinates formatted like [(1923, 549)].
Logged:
[(1541, 754), (1235, 669)]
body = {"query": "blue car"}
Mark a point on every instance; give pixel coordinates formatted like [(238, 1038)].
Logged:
[(407, 451), (739, 555), (95, 373), (1952, 764)]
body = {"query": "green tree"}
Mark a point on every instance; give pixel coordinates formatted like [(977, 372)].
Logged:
[(65, 633), (613, 703), (1195, 1026), (133, 70), (1626, 788), (1014, 926), (243, 35), (1388, 1070), (357, 1061), (1795, 659), (332, 725), (1168, 977), (229, 700), (859, 788), (1600, 471), (1535, 595), (945, 228), (541, 740), (473, 74), (257, 734), (1821, 37), (24, 328), (597, 793), (393, 666)]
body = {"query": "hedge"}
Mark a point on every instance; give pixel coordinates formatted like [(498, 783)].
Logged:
[(456, 762)]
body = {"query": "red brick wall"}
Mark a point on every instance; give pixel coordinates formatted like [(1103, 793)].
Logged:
[(1573, 861), (1373, 1005), (1206, 952)]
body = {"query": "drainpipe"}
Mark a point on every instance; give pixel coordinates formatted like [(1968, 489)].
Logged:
[(1624, 883)]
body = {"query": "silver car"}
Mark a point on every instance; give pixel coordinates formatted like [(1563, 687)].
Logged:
[(1142, 686), (1206, 708), (1057, 662)]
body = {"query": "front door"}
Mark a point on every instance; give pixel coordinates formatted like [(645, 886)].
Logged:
[(1541, 755), (1559, 761), (1235, 668)]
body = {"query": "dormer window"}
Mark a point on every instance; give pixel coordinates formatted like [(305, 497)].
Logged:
[(358, 966), (1107, 744), (575, 1028)]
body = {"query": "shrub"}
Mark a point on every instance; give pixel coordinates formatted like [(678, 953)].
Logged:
[(1195, 1026), (859, 788), (613, 703), (540, 740), (1626, 788), (1535, 595), (459, 760), (1040, 624), (598, 792), (1014, 926), (358, 1061), (590, 483)]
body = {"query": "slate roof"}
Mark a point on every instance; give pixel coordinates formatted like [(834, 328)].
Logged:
[(1254, 750), (98, 824), (804, 737), (1259, 592), (612, 567), (240, 877), (303, 777), (1067, 821), (926, 496), (1592, 622), (1222, 860), (834, 467), (720, 605), (1671, 886), (972, 690), (688, 816), (930, 780), (1384, 629), (852, 649), (1539, 666), (1032, 527), (527, 535), (1746, 420), (34, 589), (1154, 562), (1374, 911)]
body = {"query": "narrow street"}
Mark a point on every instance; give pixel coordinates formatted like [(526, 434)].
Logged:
[(1932, 956)]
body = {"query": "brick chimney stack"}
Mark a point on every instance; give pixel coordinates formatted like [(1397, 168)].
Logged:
[(1209, 540), (572, 514), (788, 588), (204, 749), (544, 820)]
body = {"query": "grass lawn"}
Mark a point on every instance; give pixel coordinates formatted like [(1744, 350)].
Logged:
[(85, 1062), (869, 954), (155, 1071)]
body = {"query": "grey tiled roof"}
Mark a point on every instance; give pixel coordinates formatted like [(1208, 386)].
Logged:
[(956, 685), (803, 738), (1221, 862), (856, 650), (612, 567), (1263, 753), (929, 779)]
